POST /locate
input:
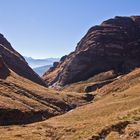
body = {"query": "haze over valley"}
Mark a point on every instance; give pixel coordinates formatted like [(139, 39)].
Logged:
[(40, 65)]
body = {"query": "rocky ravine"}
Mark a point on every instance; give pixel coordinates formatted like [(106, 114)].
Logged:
[(113, 45), (16, 62)]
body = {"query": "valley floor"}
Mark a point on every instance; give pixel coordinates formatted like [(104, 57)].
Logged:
[(113, 117)]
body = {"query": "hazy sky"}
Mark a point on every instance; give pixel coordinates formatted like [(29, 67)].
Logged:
[(52, 28)]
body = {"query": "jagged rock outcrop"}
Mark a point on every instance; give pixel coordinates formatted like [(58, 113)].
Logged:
[(113, 45), (16, 62)]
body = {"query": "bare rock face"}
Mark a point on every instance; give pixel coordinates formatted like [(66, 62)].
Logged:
[(16, 62), (4, 71), (113, 45)]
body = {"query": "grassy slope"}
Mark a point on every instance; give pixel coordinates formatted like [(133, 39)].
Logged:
[(25, 96), (114, 116)]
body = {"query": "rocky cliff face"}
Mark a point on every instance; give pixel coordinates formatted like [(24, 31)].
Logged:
[(16, 62), (4, 71), (113, 45)]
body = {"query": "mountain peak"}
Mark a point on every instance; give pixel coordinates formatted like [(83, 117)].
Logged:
[(113, 45)]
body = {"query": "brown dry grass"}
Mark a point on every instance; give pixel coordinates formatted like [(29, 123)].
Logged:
[(89, 120), (25, 97)]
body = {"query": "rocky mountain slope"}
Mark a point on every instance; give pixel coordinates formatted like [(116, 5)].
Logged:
[(16, 62), (113, 45), (4, 71), (41, 70)]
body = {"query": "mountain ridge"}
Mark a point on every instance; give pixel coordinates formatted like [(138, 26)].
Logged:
[(113, 45), (40, 70), (16, 62), (34, 63)]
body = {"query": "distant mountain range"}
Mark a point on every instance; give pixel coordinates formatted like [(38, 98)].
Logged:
[(34, 63), (40, 65), (41, 70)]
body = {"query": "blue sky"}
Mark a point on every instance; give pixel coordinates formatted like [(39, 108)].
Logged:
[(52, 28)]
